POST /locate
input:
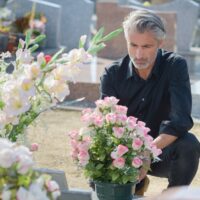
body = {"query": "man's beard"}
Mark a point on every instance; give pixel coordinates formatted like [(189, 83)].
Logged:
[(139, 66)]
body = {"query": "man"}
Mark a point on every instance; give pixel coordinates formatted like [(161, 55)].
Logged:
[(154, 84)]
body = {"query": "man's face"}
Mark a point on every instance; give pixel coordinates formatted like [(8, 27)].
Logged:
[(142, 49)]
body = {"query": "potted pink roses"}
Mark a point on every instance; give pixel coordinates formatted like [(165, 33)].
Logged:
[(112, 148)]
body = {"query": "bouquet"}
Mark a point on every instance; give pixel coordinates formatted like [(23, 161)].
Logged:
[(112, 147), (39, 83), (18, 180)]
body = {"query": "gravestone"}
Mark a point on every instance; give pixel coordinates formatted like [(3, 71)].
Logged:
[(111, 16), (57, 175), (69, 194), (123, 2), (187, 16), (75, 21), (21, 7)]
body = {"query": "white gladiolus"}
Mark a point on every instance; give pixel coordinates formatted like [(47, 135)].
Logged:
[(24, 56), (33, 71), (27, 86), (16, 106)]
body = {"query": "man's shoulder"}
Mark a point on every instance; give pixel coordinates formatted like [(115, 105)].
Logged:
[(172, 57), (119, 65)]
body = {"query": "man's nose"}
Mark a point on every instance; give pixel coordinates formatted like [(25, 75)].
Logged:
[(138, 53)]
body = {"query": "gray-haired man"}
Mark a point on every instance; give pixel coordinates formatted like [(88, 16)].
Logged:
[(154, 84)]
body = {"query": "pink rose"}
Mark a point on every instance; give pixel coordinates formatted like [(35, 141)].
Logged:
[(131, 122), (121, 119), (137, 162), (111, 118), (74, 134), (137, 143), (100, 103), (119, 162), (86, 111), (118, 131), (156, 152), (120, 151), (98, 121), (121, 109), (52, 186), (83, 157), (110, 101), (74, 144), (148, 141), (141, 123), (84, 145), (34, 147), (86, 118)]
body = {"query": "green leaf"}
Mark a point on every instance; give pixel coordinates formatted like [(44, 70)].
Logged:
[(19, 45), (98, 36), (34, 47), (102, 157), (28, 37), (115, 176), (2, 104), (125, 179), (112, 35), (56, 55), (99, 166), (94, 49), (39, 38), (81, 44)]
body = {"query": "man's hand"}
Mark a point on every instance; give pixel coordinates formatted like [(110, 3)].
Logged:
[(164, 140)]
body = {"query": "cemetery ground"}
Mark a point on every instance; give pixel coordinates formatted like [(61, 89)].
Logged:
[(50, 132)]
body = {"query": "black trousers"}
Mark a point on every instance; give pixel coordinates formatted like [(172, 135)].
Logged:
[(179, 162)]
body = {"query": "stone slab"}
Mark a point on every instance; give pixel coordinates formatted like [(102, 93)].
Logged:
[(76, 19), (21, 7)]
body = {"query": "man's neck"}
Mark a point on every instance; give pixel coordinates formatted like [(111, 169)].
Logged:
[(144, 73)]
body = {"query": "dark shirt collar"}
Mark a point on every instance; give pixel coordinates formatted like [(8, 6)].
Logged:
[(155, 71)]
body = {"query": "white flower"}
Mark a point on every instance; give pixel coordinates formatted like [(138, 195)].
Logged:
[(25, 163), (7, 157), (23, 194), (37, 192), (16, 106), (57, 89), (5, 144), (33, 71), (24, 56), (6, 54), (6, 195), (22, 150)]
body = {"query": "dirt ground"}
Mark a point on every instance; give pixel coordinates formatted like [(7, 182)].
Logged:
[(50, 132)]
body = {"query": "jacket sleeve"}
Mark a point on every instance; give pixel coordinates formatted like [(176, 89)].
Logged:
[(180, 120)]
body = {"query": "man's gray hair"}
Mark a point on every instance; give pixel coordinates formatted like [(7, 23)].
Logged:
[(143, 20)]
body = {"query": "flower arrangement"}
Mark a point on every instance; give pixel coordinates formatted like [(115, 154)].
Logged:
[(112, 147), (39, 83), (6, 19), (18, 180)]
